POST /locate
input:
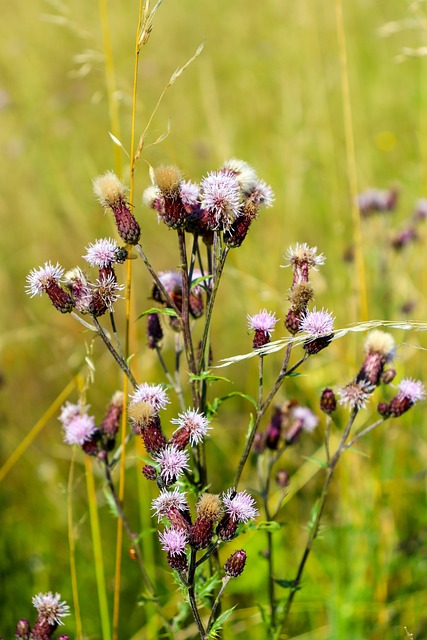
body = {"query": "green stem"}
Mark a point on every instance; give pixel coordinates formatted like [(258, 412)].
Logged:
[(120, 361), (192, 597)]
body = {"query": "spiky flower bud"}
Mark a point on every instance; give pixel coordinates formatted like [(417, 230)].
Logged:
[(23, 629), (209, 507), (379, 349), (200, 533), (383, 409), (388, 376), (154, 331), (328, 401), (178, 561), (409, 392), (262, 324), (293, 321), (149, 472), (111, 193), (235, 563), (47, 279)]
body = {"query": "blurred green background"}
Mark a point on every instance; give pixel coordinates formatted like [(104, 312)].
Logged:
[(267, 89)]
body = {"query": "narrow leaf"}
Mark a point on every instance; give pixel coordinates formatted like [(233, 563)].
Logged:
[(219, 622), (162, 312)]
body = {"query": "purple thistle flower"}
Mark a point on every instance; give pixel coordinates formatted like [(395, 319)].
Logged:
[(107, 288), (317, 323), (412, 390), (79, 429), (262, 194), (172, 463), (196, 424), (168, 500), (221, 197), (69, 411), (306, 417), (355, 394), (189, 193), (239, 506), (39, 280), (153, 394), (242, 172), (263, 321), (302, 253), (173, 541), (50, 608), (101, 253)]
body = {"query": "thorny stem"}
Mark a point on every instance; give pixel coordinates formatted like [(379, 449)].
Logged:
[(208, 553), (225, 581), (314, 529), (120, 361), (192, 597)]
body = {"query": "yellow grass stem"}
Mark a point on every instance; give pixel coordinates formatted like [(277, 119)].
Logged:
[(97, 550), (72, 549), (351, 164), (25, 443), (110, 79), (119, 537)]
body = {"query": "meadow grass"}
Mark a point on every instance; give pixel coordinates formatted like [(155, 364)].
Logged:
[(266, 88)]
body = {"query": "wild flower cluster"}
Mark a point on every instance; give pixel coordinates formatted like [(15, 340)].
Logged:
[(50, 611), (210, 219)]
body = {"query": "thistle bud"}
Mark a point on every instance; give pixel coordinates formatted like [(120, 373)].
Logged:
[(111, 193), (282, 478), (200, 533), (149, 472), (177, 561), (22, 629), (235, 563), (383, 409), (328, 401), (154, 331)]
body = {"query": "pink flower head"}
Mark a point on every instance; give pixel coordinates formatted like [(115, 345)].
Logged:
[(153, 394), (221, 197), (317, 323), (172, 462), (168, 500), (263, 321), (79, 429), (306, 417), (196, 423), (356, 394), (243, 172), (304, 254), (262, 194), (239, 506), (101, 253), (69, 411), (173, 540), (50, 608), (107, 288), (412, 390), (39, 280), (189, 194)]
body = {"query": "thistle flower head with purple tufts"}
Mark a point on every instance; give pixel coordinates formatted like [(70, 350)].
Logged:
[(50, 608)]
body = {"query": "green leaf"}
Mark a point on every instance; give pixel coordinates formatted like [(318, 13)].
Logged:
[(213, 633), (287, 584), (197, 281), (110, 500), (320, 463), (205, 587), (162, 312), (264, 525), (217, 402), (206, 375)]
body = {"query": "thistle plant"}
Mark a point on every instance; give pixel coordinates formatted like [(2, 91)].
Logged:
[(199, 523), (197, 520)]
